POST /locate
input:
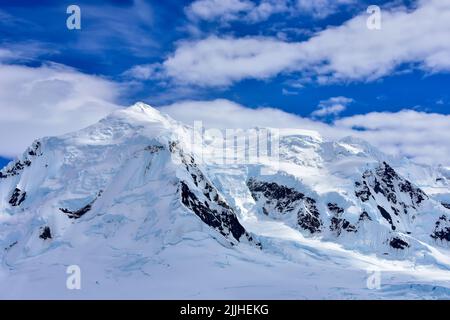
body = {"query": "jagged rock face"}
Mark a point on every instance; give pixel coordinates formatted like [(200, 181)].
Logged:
[(442, 229), (378, 187), (206, 202), (217, 215), (338, 223), (398, 243), (45, 233), (17, 197), (149, 198), (78, 213), (395, 198), (278, 200), (15, 168)]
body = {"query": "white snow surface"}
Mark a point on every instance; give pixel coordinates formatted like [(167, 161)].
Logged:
[(138, 240)]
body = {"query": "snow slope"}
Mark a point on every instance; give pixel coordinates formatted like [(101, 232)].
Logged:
[(146, 214)]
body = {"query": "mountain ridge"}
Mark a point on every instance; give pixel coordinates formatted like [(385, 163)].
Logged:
[(134, 184)]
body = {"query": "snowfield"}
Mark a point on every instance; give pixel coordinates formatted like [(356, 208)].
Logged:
[(147, 215)]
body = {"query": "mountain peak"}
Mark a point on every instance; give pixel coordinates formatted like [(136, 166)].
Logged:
[(145, 112)]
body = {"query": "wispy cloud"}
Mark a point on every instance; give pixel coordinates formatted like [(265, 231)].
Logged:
[(248, 11), (331, 107), (322, 8), (232, 10)]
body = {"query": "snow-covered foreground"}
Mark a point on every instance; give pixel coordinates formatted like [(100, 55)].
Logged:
[(199, 268), (128, 201)]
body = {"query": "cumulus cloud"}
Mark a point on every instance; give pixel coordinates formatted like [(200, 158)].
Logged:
[(49, 100), (331, 107), (221, 61), (422, 137), (350, 52)]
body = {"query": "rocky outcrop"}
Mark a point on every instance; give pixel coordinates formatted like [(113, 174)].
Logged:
[(45, 233), (18, 196), (442, 229), (398, 243), (383, 185), (201, 197), (338, 223), (78, 213), (278, 200), (15, 168)]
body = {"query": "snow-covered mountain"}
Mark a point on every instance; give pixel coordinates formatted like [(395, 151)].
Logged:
[(145, 213)]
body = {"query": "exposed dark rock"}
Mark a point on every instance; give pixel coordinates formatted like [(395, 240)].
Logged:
[(337, 222), (154, 149), (442, 229), (364, 217), (35, 149), (45, 233), (396, 211), (399, 193), (218, 216), (212, 209), (18, 196), (398, 243), (16, 167), (76, 214), (446, 205), (174, 146), (333, 207), (309, 219), (383, 181), (387, 216), (362, 191), (11, 245), (284, 200), (416, 194)]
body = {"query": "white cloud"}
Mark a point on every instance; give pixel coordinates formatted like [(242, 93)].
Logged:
[(221, 61), (350, 52), (422, 137), (224, 114), (48, 100), (287, 92), (224, 10), (231, 10), (321, 8), (144, 72), (256, 11), (418, 135), (265, 9), (333, 106)]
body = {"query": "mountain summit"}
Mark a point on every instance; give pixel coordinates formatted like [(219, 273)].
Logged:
[(140, 203)]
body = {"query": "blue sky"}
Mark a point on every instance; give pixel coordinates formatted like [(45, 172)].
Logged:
[(313, 59)]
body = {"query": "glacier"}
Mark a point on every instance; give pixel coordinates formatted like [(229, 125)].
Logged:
[(146, 215)]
